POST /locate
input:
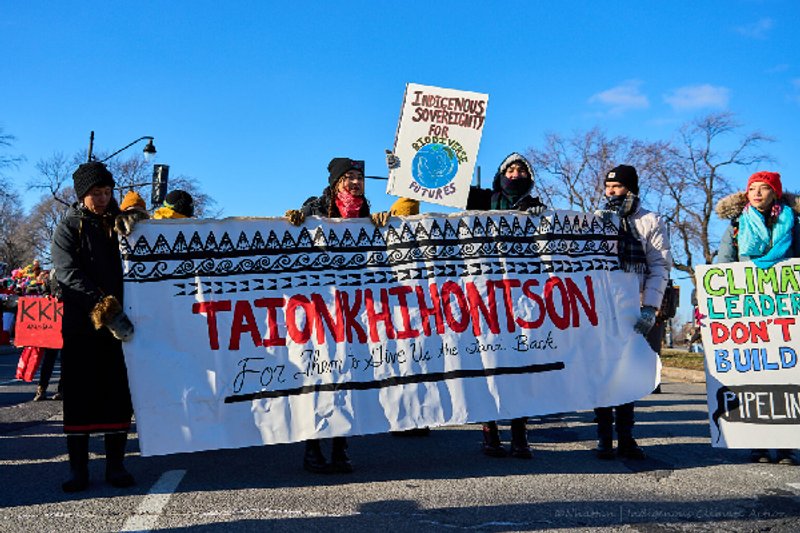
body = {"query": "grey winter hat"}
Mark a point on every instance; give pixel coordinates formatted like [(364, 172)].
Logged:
[(91, 174)]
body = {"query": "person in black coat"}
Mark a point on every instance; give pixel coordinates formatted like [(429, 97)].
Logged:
[(85, 253), (511, 189), (342, 198)]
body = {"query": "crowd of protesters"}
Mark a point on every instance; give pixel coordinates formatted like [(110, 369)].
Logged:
[(85, 254)]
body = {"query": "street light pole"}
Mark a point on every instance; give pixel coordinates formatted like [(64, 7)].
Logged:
[(160, 172), (149, 149)]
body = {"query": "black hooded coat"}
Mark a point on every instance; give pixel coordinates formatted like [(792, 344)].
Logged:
[(85, 254), (481, 199)]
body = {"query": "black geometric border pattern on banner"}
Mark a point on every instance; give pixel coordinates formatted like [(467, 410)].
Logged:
[(380, 277), (498, 241)]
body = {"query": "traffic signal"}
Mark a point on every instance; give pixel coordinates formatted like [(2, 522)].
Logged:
[(160, 182)]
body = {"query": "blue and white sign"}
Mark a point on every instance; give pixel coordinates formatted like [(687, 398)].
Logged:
[(437, 143)]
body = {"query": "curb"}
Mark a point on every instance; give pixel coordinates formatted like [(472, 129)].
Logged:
[(683, 375)]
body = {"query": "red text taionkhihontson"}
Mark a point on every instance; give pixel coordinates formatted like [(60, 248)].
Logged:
[(401, 312)]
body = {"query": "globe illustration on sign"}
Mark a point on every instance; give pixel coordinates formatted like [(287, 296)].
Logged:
[(434, 166)]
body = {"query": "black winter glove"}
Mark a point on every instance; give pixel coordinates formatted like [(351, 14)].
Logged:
[(121, 327)]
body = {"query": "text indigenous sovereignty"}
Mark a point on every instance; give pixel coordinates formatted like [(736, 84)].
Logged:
[(253, 331)]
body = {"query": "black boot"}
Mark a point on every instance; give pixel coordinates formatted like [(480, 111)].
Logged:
[(627, 447), (519, 439), (340, 462), (313, 460), (605, 448), (759, 455), (78, 450), (491, 440), (785, 457), (116, 475), (604, 416)]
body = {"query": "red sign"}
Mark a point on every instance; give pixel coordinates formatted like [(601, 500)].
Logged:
[(39, 322)]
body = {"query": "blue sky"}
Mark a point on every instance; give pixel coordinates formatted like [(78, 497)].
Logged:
[(254, 98)]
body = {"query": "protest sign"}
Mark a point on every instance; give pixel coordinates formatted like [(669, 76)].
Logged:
[(39, 322), (254, 331), (748, 319), (437, 142)]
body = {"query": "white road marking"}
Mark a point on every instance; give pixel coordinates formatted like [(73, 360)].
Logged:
[(149, 510)]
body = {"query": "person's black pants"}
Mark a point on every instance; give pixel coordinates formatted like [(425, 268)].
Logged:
[(48, 363)]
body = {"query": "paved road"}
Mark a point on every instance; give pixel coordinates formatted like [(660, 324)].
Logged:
[(435, 483)]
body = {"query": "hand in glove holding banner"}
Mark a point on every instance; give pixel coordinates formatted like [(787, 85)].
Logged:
[(108, 312), (295, 216), (646, 321), (87, 258)]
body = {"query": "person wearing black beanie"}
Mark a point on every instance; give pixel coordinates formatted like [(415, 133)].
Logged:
[(91, 174), (85, 255), (643, 249), (625, 175), (342, 198), (177, 204), (339, 166)]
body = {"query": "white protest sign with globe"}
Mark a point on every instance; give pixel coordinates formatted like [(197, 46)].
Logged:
[(437, 144)]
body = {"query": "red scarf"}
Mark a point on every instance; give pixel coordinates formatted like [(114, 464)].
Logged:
[(349, 205)]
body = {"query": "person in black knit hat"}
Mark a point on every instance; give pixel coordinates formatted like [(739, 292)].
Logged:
[(643, 249), (177, 204), (85, 255), (342, 198)]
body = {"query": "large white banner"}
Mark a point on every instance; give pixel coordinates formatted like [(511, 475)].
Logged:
[(438, 136), (750, 336), (252, 331)]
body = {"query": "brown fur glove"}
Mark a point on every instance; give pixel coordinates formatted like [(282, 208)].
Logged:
[(125, 221), (295, 217), (108, 312)]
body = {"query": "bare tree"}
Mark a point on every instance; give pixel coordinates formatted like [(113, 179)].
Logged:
[(55, 176), (570, 171), (42, 221), (15, 248), (7, 160), (204, 205), (691, 174), (132, 174)]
